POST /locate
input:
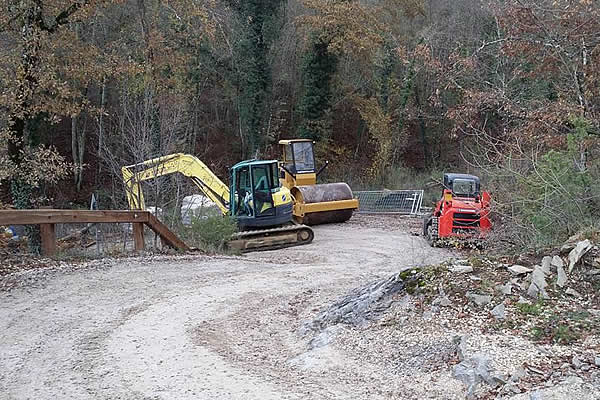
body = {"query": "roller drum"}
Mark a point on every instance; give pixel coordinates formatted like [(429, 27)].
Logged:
[(311, 194)]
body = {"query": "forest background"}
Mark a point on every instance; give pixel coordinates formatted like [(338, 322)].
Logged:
[(394, 92)]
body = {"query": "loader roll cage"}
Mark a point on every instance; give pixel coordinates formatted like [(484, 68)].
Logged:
[(462, 185)]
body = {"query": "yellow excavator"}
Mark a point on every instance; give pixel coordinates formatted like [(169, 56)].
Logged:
[(256, 199), (313, 203)]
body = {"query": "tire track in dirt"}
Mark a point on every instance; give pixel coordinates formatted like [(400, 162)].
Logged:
[(209, 328)]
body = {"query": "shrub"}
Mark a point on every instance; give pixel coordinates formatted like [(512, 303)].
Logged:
[(210, 233), (544, 197)]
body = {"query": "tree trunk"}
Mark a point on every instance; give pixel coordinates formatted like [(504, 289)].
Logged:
[(74, 147), (101, 128), (422, 129)]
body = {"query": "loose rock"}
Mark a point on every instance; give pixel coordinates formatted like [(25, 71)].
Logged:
[(499, 311), (557, 262), (461, 346), (519, 374), (473, 371), (580, 249), (519, 269), (505, 289), (461, 269), (537, 288), (362, 304), (523, 300), (537, 395), (546, 264), (443, 301), (561, 280), (572, 292), (479, 299)]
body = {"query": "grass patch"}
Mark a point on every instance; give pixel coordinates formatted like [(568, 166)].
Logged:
[(592, 233), (563, 334), (565, 328), (537, 333), (530, 309), (422, 280), (579, 315), (476, 262)]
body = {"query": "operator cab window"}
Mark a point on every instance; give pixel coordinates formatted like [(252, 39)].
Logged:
[(464, 188), (243, 191), (303, 157), (263, 180), (274, 176), (289, 156)]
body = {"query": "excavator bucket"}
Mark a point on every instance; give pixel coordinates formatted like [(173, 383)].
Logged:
[(314, 203)]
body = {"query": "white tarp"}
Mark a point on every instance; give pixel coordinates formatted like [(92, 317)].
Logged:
[(197, 205)]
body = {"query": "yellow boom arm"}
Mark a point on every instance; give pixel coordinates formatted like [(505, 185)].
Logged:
[(185, 164)]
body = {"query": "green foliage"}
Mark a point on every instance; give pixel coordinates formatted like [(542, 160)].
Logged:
[(531, 309), (476, 262), (210, 233), (537, 333), (384, 70), (318, 67), (560, 194), (564, 334), (258, 26), (21, 194), (565, 328)]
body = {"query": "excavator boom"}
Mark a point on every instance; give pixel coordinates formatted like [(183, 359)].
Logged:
[(184, 164)]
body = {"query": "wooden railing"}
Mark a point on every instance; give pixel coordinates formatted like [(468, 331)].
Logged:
[(47, 218)]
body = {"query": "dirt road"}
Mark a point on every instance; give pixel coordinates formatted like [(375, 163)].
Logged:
[(200, 327)]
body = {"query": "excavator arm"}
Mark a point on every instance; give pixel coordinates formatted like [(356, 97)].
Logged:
[(184, 164)]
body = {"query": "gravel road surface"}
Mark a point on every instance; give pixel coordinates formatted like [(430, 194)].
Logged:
[(199, 327)]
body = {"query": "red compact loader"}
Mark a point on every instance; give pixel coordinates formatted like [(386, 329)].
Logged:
[(462, 212)]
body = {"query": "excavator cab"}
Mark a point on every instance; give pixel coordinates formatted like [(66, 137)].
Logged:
[(256, 197)]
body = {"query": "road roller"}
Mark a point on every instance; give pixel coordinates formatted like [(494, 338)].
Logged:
[(314, 203)]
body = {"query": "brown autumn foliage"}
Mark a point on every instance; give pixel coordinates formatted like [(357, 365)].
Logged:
[(431, 84)]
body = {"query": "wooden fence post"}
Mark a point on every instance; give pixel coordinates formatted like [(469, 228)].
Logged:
[(48, 236), (138, 236)]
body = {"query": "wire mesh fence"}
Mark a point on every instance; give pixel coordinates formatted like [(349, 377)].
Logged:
[(407, 202), (80, 240)]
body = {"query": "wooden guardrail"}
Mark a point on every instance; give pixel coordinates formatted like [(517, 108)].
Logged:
[(47, 218)]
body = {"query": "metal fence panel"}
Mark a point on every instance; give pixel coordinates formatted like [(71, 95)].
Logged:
[(390, 201)]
